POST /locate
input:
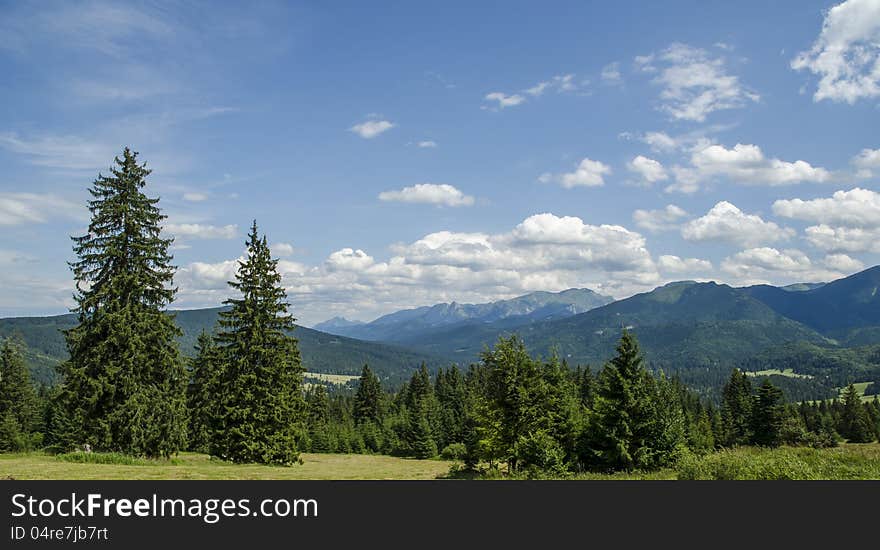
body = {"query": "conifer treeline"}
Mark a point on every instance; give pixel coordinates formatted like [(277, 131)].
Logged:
[(545, 418)]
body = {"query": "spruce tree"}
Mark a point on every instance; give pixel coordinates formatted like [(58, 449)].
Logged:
[(736, 409), (18, 400), (368, 399), (622, 430), (124, 383), (855, 422), (768, 414), (202, 393), (261, 412)]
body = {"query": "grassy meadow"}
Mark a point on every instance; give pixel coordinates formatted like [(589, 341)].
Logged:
[(199, 466), (848, 461)]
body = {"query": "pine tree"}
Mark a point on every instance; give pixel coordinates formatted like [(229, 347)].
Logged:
[(319, 417), (736, 409), (202, 393), (368, 399), (18, 400), (623, 426), (855, 423), (768, 414), (261, 412), (124, 383)]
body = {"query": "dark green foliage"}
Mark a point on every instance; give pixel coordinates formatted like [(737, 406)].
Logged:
[(18, 399), (368, 399), (539, 454), (855, 420), (124, 382), (261, 409), (204, 373), (736, 409), (767, 417), (637, 422)]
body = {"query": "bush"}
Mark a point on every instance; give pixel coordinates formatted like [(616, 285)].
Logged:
[(539, 455), (454, 451), (110, 458)]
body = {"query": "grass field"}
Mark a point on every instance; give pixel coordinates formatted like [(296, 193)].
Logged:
[(339, 379), (198, 466), (768, 372)]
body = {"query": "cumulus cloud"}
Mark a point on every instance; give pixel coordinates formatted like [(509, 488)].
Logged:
[(766, 265), (664, 219), (429, 193), (727, 223), (743, 164), (843, 239), (503, 100), (589, 173), (372, 128), (659, 141), (843, 263), (866, 162), (674, 264), (846, 54), (694, 82), (201, 231), (543, 252), (649, 170), (855, 208)]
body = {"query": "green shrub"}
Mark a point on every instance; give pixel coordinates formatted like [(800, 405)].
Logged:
[(111, 458), (784, 463), (454, 451), (540, 455)]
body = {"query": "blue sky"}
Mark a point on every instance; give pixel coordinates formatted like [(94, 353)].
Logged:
[(400, 154)]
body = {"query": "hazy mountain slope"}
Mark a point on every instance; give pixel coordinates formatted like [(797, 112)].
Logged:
[(683, 323), (406, 325)]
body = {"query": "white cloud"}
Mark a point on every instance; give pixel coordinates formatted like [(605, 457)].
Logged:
[(675, 264), (429, 193), (282, 249), (195, 196), (664, 219), (22, 208), (659, 141), (427, 144), (843, 263), (727, 223), (866, 162), (769, 265), (650, 170), (611, 74), (694, 82), (544, 252), (505, 100), (372, 128), (589, 173), (742, 164), (560, 83), (855, 208), (846, 55), (201, 231), (843, 239)]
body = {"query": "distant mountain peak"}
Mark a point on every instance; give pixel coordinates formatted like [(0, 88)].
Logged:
[(334, 323)]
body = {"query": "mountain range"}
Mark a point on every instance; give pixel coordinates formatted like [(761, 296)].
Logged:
[(701, 329), (413, 325)]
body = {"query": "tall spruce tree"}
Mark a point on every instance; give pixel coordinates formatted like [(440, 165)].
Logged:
[(18, 400), (623, 425), (368, 399), (736, 409), (768, 414), (855, 422), (261, 413), (124, 383)]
